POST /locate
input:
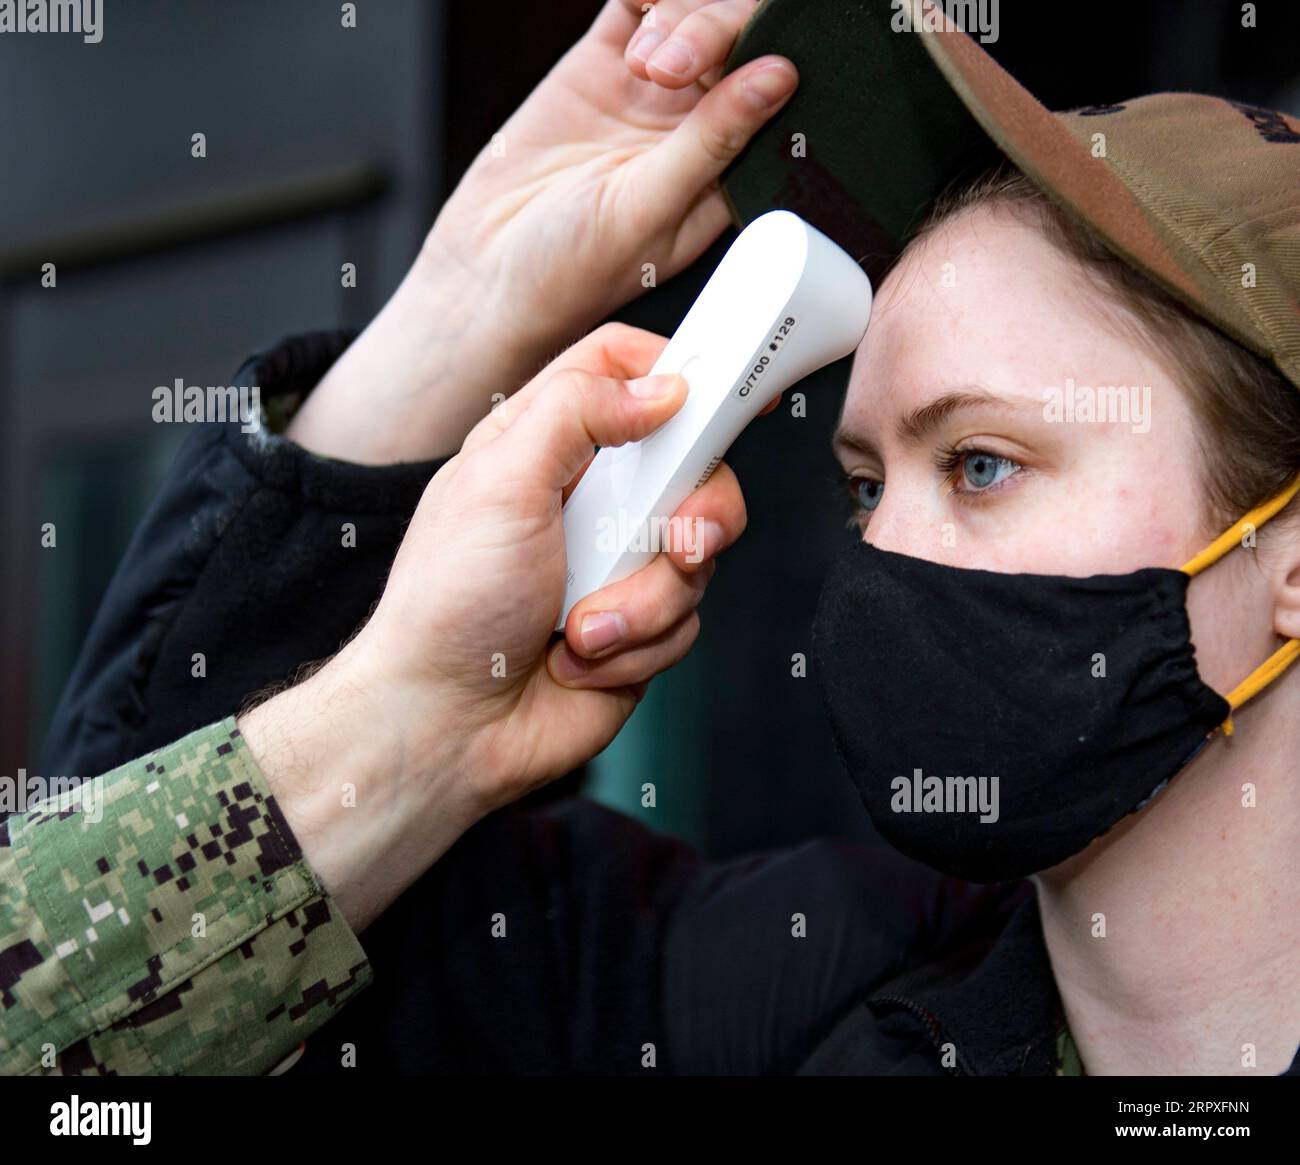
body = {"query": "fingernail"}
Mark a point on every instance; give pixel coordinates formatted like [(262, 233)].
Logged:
[(602, 629), (566, 665), (768, 85), (645, 42), (675, 56), (649, 387)]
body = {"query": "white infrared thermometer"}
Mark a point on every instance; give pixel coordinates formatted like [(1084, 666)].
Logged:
[(784, 302)]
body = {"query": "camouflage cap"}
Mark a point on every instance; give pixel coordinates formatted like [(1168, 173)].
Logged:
[(1200, 193)]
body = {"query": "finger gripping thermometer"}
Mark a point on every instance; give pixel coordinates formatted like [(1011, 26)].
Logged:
[(784, 302)]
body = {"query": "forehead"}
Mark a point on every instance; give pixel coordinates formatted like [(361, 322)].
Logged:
[(982, 275), (987, 298), (988, 301)]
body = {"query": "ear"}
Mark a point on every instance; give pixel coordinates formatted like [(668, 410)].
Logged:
[(1286, 582)]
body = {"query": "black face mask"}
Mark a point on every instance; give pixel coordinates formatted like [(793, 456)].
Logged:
[(995, 724)]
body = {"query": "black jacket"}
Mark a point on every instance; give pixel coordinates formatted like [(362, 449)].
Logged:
[(624, 944)]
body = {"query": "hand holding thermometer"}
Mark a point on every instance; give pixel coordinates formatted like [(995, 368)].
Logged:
[(784, 302)]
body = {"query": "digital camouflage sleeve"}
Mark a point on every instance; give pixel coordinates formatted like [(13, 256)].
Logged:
[(162, 919)]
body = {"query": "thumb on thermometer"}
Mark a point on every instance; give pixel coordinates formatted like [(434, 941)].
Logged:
[(577, 409)]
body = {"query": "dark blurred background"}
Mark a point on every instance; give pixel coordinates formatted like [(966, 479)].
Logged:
[(329, 145)]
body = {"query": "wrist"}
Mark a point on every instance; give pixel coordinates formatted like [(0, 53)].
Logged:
[(417, 379), (509, 335), (371, 804)]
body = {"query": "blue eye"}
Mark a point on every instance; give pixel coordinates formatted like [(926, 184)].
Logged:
[(980, 470), (974, 471), (868, 493)]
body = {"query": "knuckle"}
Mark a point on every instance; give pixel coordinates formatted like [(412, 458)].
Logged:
[(687, 595), (569, 382), (687, 633), (722, 139), (736, 511), (613, 332), (711, 77), (714, 23), (664, 609), (663, 603)]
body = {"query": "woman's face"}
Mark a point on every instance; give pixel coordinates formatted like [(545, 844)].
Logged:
[(959, 403)]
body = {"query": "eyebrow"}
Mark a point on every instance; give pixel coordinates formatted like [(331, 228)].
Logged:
[(915, 426)]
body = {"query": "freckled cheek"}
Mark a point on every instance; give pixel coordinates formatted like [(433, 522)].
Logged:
[(1122, 504), (1159, 508), (1014, 550), (1131, 538), (1170, 544), (1074, 529), (1014, 538)]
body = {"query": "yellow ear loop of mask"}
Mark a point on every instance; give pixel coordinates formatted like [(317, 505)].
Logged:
[(1230, 539)]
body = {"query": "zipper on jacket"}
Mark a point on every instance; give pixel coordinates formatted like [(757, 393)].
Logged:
[(931, 1026)]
